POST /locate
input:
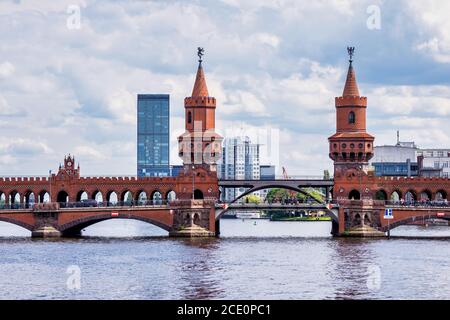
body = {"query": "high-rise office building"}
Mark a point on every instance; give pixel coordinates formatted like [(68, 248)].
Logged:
[(153, 135), (240, 161)]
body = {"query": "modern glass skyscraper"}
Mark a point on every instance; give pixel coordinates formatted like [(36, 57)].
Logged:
[(153, 135)]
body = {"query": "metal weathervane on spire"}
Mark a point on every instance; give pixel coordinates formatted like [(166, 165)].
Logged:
[(200, 53), (351, 53)]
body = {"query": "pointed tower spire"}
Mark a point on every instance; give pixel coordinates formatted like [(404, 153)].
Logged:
[(200, 88), (351, 87)]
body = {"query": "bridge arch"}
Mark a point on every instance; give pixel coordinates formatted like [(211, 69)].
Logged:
[(418, 217), (74, 227), (275, 186), (17, 223), (271, 186)]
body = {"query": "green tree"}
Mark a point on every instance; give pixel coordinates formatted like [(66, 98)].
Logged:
[(252, 199)]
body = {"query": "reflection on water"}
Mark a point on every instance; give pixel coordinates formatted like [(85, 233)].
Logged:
[(269, 260)]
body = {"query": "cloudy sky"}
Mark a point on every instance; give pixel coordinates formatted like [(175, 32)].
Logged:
[(274, 66)]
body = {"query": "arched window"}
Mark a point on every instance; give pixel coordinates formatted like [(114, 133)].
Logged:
[(198, 194), (189, 117), (351, 118), (354, 195)]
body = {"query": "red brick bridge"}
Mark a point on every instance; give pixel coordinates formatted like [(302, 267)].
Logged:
[(65, 203)]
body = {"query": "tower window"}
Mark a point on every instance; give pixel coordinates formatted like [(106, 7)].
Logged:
[(351, 118), (189, 117)]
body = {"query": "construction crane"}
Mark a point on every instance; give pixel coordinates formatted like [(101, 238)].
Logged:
[(292, 194)]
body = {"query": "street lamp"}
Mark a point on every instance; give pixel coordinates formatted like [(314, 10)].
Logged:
[(360, 167), (50, 190), (193, 183)]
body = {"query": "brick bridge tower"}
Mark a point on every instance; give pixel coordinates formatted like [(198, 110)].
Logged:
[(351, 148), (200, 149)]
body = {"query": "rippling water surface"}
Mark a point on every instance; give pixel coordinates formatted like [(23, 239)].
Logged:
[(124, 259)]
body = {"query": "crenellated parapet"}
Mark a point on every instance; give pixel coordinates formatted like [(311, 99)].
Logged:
[(351, 101), (209, 102)]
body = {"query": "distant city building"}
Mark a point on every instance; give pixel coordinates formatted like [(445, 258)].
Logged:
[(406, 159), (434, 162), (175, 170), (397, 160), (267, 172), (153, 135), (240, 161)]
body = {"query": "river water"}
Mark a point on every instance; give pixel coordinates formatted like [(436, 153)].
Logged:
[(122, 259)]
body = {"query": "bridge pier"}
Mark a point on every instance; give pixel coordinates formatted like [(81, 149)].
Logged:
[(360, 219), (46, 232), (193, 219), (46, 221)]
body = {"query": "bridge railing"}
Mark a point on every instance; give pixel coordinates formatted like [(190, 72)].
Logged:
[(83, 204), (420, 204), (283, 178)]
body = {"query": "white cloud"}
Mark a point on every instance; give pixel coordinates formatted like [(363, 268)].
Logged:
[(6, 69), (268, 63), (434, 25)]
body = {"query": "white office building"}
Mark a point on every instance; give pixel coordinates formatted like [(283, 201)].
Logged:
[(434, 162), (240, 161)]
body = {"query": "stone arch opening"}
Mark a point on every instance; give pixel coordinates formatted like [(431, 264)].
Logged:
[(171, 195), (354, 195), (2, 199), (197, 219), (367, 220), (425, 195), (156, 198), (440, 195), (410, 196), (381, 195), (198, 194), (396, 196), (14, 199), (82, 196), (357, 220), (111, 198), (44, 197), (127, 197), (30, 198), (62, 197), (97, 196), (347, 220), (141, 197)]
